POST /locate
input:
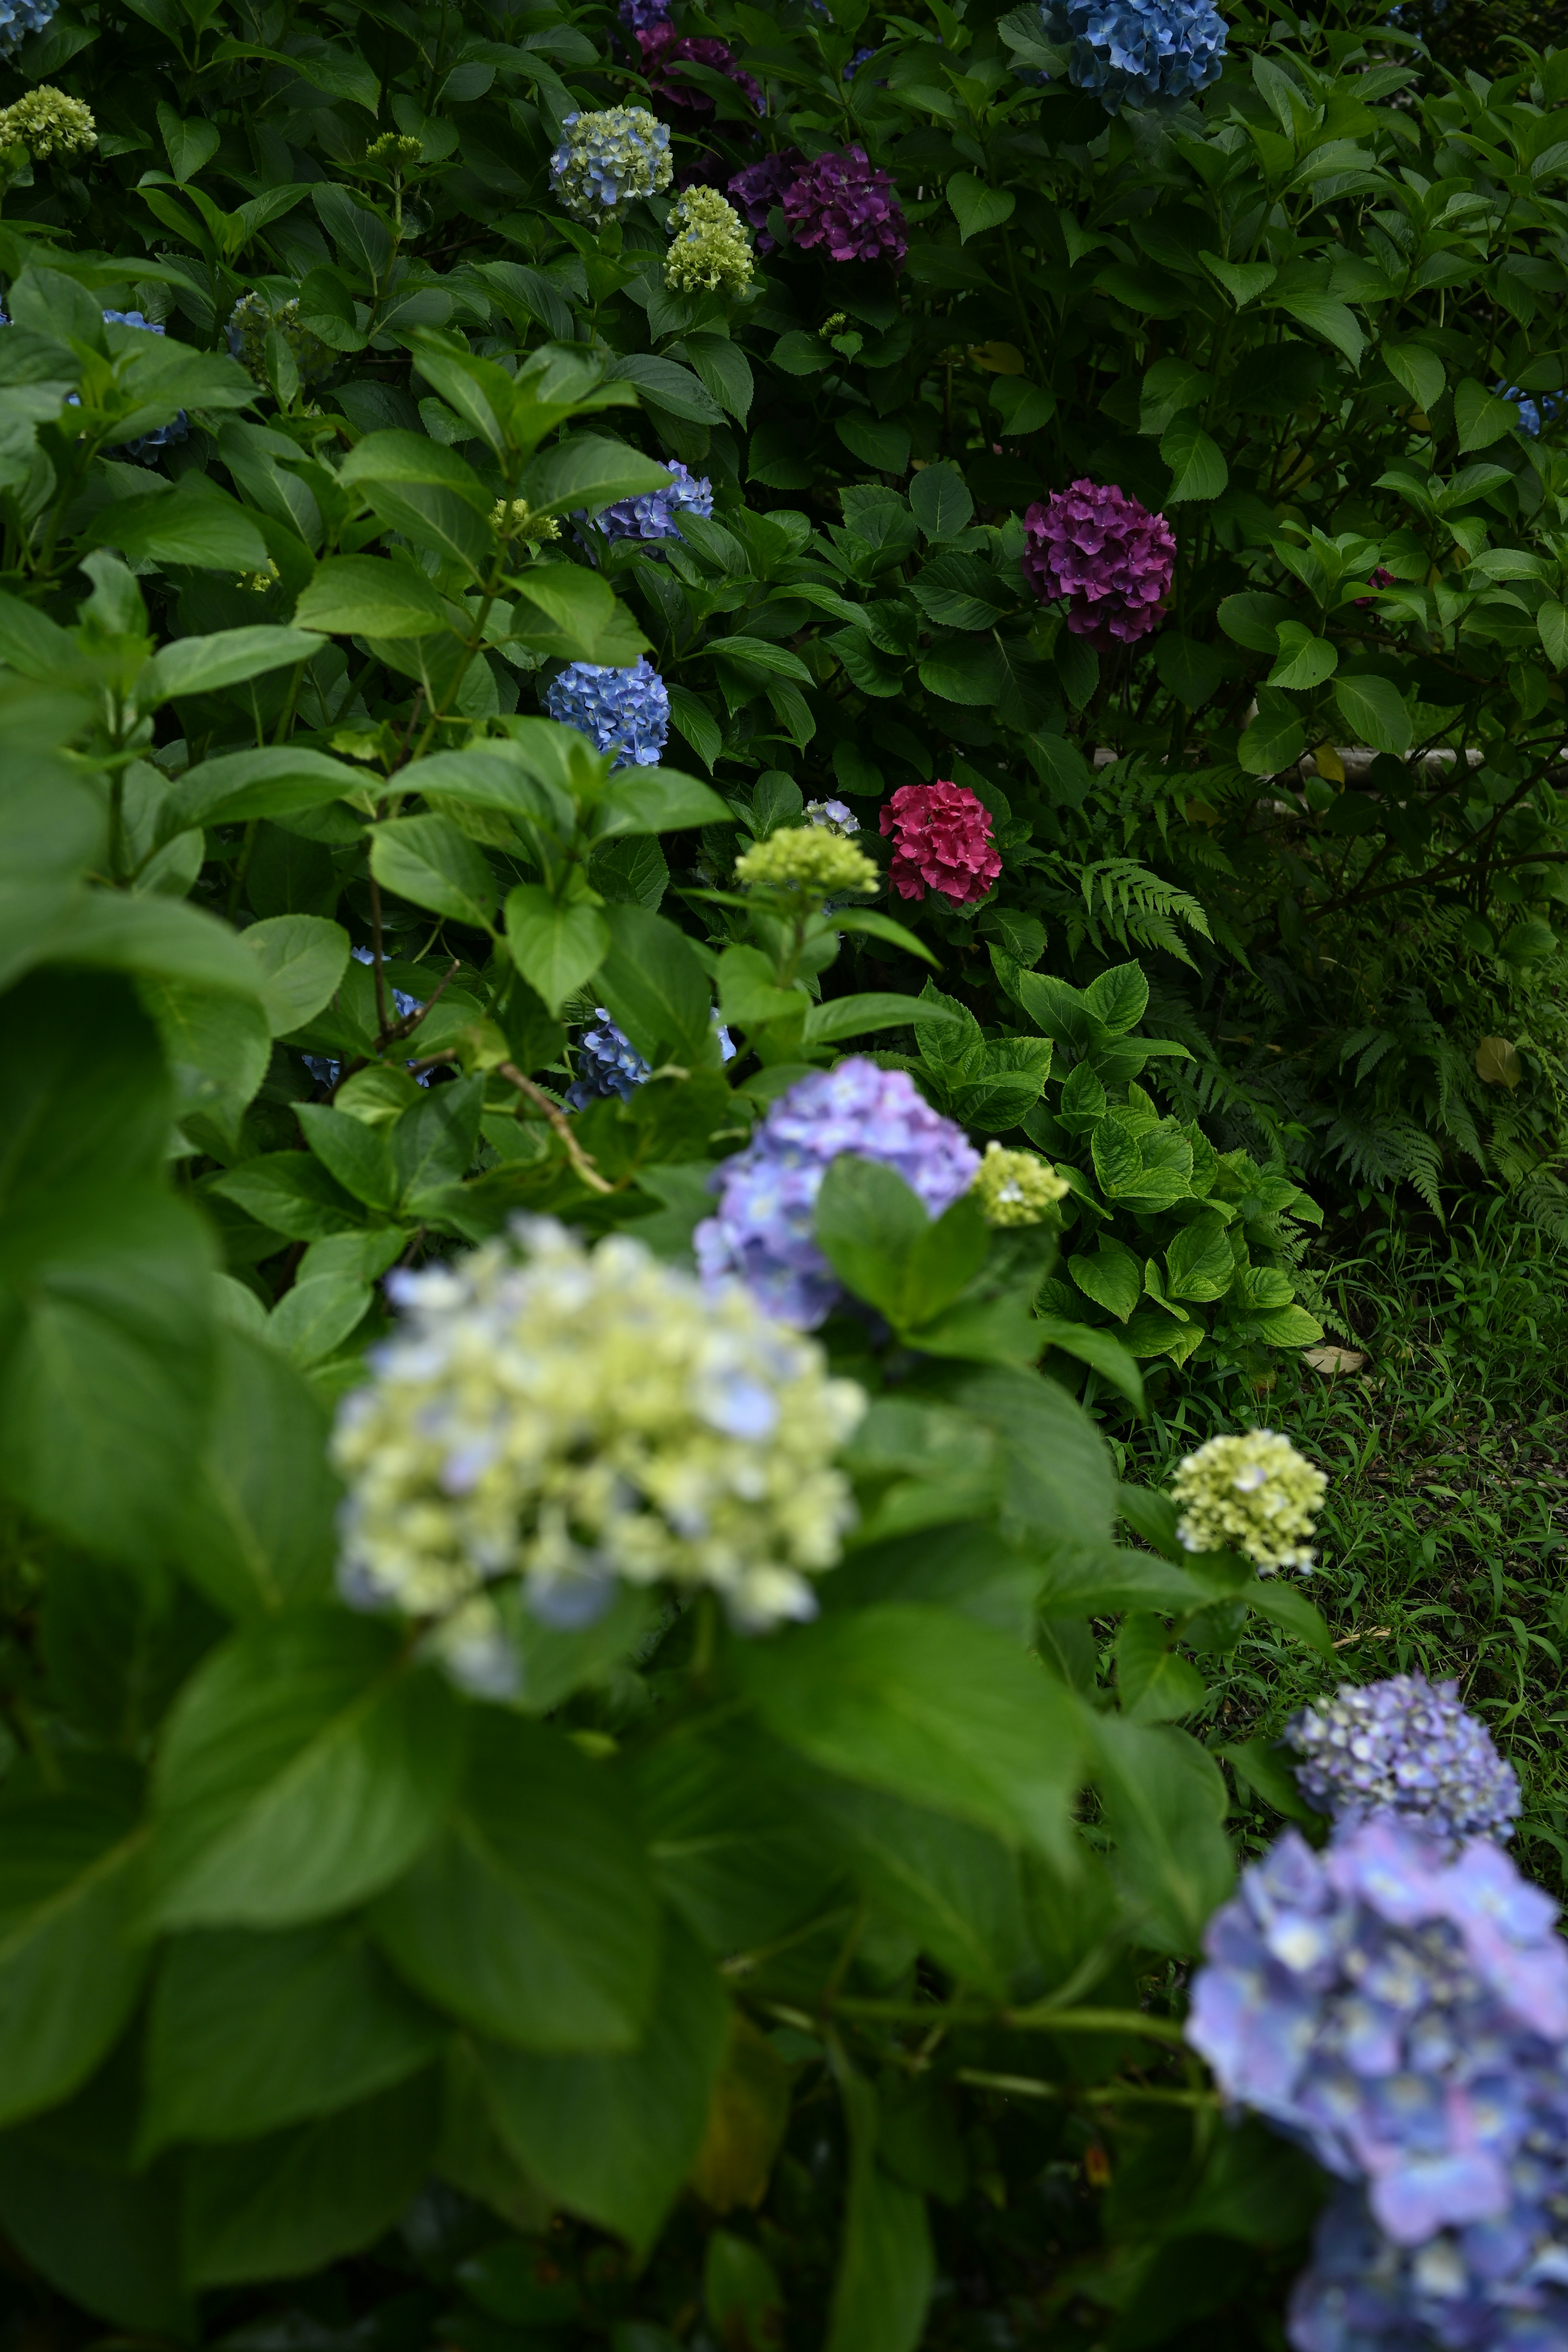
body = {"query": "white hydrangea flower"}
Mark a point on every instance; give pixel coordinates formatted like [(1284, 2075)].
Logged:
[(1252, 1493), (568, 1418)]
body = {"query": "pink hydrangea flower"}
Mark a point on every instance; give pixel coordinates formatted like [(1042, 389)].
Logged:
[(1110, 557), (847, 203), (941, 841)]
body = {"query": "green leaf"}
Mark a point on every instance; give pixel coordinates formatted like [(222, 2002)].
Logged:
[(1305, 660), (654, 985), (248, 2033), (1199, 1261), (871, 925), (557, 949), (202, 665), (1155, 1684), (257, 1528), (1244, 281), (954, 1887), (359, 1155), (930, 1708), (1373, 711), (302, 960), (203, 528), (1552, 620), (1191, 670), (612, 2137), (1098, 1349), (588, 472), (404, 458), (317, 1313), (108, 2241), (306, 1766), (371, 596), (1420, 371), (1197, 468), (1253, 619), (1336, 323), (1265, 1768), (976, 208), (243, 784), (190, 145), (159, 938), (1118, 998), (879, 1240), (1285, 1606), (854, 1016), (669, 386), (940, 500), (427, 860), (876, 441), (1481, 417), (1165, 1804), (69, 1968), (886, 2268), (723, 368), (534, 1915), (291, 1193), (1276, 736), (429, 515), (290, 2203), (1109, 1274), (657, 800)]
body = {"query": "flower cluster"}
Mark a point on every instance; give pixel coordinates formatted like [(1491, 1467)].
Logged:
[(1254, 1495), (1401, 2014), (394, 150), (941, 841), (807, 859), (833, 816), (1139, 52), (1110, 557), (681, 99), (626, 711), (20, 17), (251, 320), (571, 1418), (47, 122), (607, 1064), (849, 205), (642, 15), (1401, 1749), (607, 160), (515, 519), (652, 516), (708, 249), (762, 1227), (762, 186), (1017, 1188)]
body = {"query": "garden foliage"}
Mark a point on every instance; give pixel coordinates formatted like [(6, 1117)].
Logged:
[(442, 544)]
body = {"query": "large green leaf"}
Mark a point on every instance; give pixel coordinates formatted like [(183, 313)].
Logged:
[(1165, 1804), (885, 2264), (371, 596), (109, 2240), (257, 1528), (302, 958), (307, 1764), (653, 983), (557, 949), (534, 1915), (953, 1887), (427, 859)]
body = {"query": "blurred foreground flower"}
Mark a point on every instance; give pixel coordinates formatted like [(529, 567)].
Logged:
[(1404, 1750), (1254, 1495), (570, 1418), (810, 859), (762, 1227)]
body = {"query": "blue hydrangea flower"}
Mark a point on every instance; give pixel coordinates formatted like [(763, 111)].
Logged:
[(327, 1072), (20, 17), (642, 15), (653, 515), (762, 1227), (856, 62), (1494, 2286), (607, 1064), (1404, 1750), (1401, 2015), (1533, 412), (606, 159), (622, 710), (1139, 52)]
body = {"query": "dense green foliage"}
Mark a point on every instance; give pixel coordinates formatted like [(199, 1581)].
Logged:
[(820, 1987)]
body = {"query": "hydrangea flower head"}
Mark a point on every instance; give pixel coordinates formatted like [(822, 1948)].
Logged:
[(20, 17), (622, 710), (833, 816), (846, 203), (1110, 557), (762, 1227), (1139, 52), (652, 516), (708, 249), (680, 96), (607, 160), (642, 15), (1401, 2014), (807, 859), (47, 122), (607, 1064), (1489, 2286), (253, 317), (762, 186), (941, 841), (515, 519), (1404, 1750), (568, 1418), (1017, 1188), (1251, 1494)]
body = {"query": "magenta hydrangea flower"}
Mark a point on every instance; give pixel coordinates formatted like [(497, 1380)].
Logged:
[(1110, 557), (762, 1229), (847, 203), (755, 191), (941, 841)]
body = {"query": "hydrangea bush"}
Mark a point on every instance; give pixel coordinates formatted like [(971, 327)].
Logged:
[(735, 775)]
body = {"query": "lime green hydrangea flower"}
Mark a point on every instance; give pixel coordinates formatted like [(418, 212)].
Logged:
[(708, 251), (809, 859), (47, 122), (1252, 1493), (515, 519), (1017, 1188), (560, 1419)]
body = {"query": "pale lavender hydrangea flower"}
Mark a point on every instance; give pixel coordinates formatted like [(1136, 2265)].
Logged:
[(1110, 557), (1402, 1749), (652, 516), (1139, 52), (622, 710), (762, 1228)]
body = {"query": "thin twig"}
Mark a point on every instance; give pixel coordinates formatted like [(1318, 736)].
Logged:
[(406, 1022), (562, 1125)]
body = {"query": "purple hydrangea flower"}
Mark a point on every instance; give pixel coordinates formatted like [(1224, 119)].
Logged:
[(845, 202), (1493, 2286), (1402, 1749), (622, 710), (1110, 557), (1139, 52), (653, 515), (607, 1064), (762, 1229), (755, 191), (642, 15), (1400, 2014)]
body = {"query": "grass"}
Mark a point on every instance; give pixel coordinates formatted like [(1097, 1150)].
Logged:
[(1442, 1547)]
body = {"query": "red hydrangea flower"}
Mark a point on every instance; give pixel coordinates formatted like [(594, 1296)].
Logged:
[(1110, 557), (941, 841), (756, 189), (846, 203), (678, 98)]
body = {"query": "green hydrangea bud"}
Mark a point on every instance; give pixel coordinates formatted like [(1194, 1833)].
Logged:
[(253, 315), (1017, 1188), (515, 519), (809, 859), (708, 252), (398, 152), (1254, 1495), (47, 122)]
